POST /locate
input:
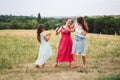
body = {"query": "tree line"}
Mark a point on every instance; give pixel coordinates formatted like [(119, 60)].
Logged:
[(99, 24), (104, 24)]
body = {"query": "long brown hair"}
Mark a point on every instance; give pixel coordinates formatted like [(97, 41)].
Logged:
[(82, 21), (39, 30)]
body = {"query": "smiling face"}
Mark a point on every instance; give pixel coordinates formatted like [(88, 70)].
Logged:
[(68, 22)]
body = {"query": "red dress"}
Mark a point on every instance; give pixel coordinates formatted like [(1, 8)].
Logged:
[(65, 47)]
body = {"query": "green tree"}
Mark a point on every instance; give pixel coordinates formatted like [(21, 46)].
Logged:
[(14, 24), (39, 18)]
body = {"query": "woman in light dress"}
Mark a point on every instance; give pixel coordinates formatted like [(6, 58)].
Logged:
[(44, 50), (80, 27)]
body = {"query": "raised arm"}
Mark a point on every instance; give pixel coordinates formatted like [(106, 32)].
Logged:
[(73, 25), (47, 36), (72, 29), (58, 30)]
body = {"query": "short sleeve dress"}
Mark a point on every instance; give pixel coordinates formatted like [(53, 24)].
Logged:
[(45, 50)]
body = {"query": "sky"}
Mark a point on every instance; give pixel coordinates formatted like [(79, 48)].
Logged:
[(53, 8)]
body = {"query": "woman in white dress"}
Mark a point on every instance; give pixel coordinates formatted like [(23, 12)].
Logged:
[(44, 50)]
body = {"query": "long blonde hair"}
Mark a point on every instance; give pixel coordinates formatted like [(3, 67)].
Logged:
[(39, 30)]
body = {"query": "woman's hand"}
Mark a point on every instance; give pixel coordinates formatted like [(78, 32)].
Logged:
[(47, 36), (84, 32), (71, 30), (58, 30), (72, 26)]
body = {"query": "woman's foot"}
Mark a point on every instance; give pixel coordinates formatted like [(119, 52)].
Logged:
[(56, 65), (43, 66), (70, 64), (75, 66), (37, 66), (84, 66)]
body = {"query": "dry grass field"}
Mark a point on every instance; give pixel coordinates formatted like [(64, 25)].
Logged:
[(19, 51)]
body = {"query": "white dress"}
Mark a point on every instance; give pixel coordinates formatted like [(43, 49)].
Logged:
[(45, 51)]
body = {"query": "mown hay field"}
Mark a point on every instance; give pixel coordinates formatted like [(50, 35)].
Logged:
[(19, 51)]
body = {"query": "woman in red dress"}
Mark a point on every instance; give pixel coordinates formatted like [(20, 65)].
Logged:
[(65, 45)]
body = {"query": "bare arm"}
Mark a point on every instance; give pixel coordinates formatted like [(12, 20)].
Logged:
[(71, 30), (84, 32), (73, 25), (58, 30), (47, 36)]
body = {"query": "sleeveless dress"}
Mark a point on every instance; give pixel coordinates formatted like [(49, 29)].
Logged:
[(79, 42), (45, 51), (65, 47)]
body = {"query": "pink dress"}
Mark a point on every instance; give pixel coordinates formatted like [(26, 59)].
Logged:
[(65, 47)]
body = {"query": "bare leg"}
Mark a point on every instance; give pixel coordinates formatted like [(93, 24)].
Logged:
[(84, 61), (70, 64), (75, 61), (56, 65)]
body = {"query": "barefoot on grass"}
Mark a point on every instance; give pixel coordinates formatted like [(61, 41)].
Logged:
[(37, 66), (56, 65), (84, 66), (75, 66), (43, 66)]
